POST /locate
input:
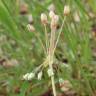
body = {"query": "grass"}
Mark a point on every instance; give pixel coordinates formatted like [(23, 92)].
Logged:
[(72, 44)]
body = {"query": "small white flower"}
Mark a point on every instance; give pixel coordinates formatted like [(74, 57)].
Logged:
[(31, 76), (61, 80), (40, 75), (50, 72), (28, 76), (25, 77)]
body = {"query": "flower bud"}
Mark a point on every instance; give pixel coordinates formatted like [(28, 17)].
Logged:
[(76, 17), (30, 19), (39, 75), (51, 14), (44, 18), (66, 10), (51, 7), (30, 28), (54, 22)]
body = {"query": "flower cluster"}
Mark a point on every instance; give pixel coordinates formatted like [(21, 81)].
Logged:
[(54, 19), (30, 76)]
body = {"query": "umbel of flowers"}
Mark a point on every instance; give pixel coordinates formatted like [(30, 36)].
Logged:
[(51, 43)]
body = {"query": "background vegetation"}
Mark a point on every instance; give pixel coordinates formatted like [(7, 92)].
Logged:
[(21, 50)]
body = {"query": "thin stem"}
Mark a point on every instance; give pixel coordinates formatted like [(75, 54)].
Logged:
[(53, 85), (59, 35), (51, 57), (52, 42), (52, 48), (52, 77), (46, 38), (37, 35)]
